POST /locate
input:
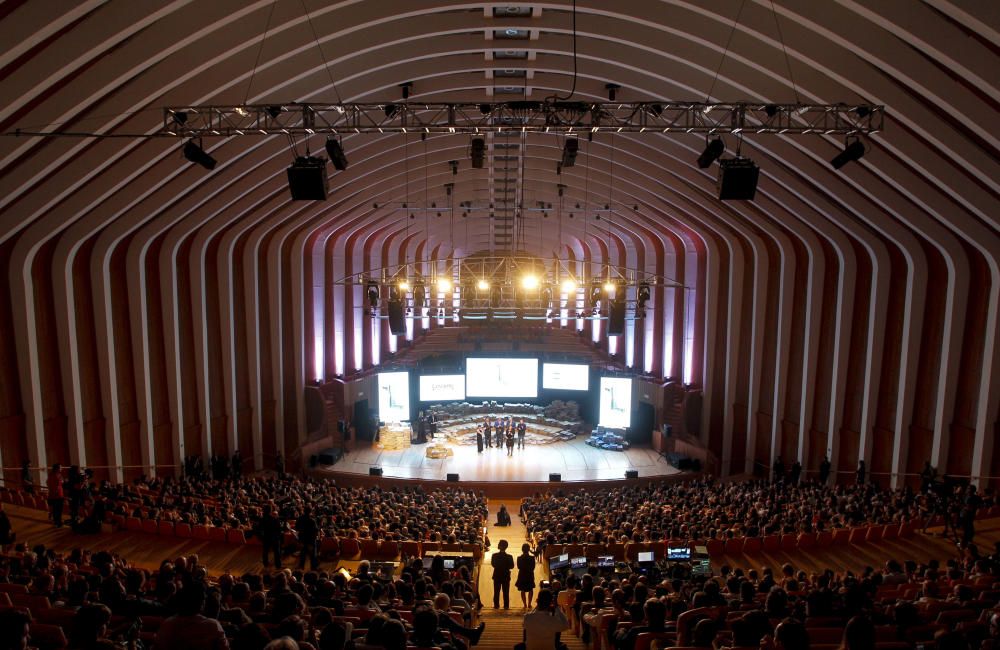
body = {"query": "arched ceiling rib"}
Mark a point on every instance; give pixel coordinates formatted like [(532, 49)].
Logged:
[(926, 192)]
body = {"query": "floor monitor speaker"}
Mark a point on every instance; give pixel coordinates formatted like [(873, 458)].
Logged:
[(374, 471), (555, 478), (453, 478), (631, 473)]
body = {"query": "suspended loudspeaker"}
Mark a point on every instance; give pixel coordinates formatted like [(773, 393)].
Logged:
[(397, 324)]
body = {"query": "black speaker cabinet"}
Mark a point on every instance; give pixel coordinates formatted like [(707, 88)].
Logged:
[(453, 478), (555, 478), (397, 324), (738, 179), (374, 471), (616, 319), (631, 473), (328, 456), (307, 179)]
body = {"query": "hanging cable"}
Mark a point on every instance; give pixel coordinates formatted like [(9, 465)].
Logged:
[(321, 54), (736, 22), (260, 49), (788, 62), (572, 90)]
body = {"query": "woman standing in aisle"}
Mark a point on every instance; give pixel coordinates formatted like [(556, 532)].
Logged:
[(526, 575)]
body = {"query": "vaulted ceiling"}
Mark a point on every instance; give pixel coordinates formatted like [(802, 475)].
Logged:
[(155, 308)]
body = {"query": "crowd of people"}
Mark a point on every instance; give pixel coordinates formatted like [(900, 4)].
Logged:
[(101, 601), (238, 502), (950, 606), (707, 509)]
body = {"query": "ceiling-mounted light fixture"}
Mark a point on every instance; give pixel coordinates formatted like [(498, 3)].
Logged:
[(712, 151), (612, 91), (336, 153), (854, 149), (194, 153)]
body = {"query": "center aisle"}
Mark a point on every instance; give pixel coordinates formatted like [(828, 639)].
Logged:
[(503, 627)]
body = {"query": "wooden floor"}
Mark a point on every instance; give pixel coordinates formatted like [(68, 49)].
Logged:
[(503, 626), (575, 460)]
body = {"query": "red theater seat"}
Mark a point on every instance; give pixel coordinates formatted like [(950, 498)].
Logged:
[(369, 549), (824, 539), (235, 536), (875, 533), (150, 526), (350, 549), (48, 637), (716, 548), (752, 545), (807, 540), (330, 547), (789, 542), (841, 536), (182, 530), (199, 531), (859, 535), (891, 531), (772, 543), (133, 524), (166, 528), (217, 534), (734, 546)]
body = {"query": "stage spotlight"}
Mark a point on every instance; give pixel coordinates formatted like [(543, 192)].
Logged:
[(609, 288), (196, 154), (406, 89), (477, 152), (569, 152), (530, 281), (444, 285), (404, 286), (569, 286), (853, 150), (336, 153), (612, 91), (275, 111), (391, 110), (483, 285), (642, 294), (372, 291), (712, 151), (595, 294)]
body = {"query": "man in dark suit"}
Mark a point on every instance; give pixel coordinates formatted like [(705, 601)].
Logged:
[(502, 563), (270, 531), (308, 532)]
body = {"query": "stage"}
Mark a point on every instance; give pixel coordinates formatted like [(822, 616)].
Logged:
[(576, 462)]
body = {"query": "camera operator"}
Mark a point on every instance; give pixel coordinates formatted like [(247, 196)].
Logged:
[(543, 624)]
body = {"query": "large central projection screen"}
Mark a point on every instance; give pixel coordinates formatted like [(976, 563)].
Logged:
[(501, 377), (616, 402), (565, 376), (394, 396)]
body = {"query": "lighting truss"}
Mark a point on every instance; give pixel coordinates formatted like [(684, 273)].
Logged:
[(522, 116)]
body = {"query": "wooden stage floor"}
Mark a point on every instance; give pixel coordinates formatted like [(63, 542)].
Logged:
[(574, 460)]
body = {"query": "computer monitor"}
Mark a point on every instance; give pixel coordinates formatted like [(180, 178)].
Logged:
[(578, 563), (449, 563), (559, 562), (646, 557), (678, 553), (605, 561)]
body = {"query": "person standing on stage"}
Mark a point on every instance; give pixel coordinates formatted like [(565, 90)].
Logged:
[(510, 442), (502, 563), (487, 433), (479, 439), (522, 428), (55, 485)]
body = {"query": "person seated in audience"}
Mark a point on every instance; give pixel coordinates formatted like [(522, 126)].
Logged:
[(543, 625), (503, 517), (188, 628), (442, 607), (654, 615), (14, 629)]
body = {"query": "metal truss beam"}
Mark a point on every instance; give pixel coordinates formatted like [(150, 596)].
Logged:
[(522, 116)]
